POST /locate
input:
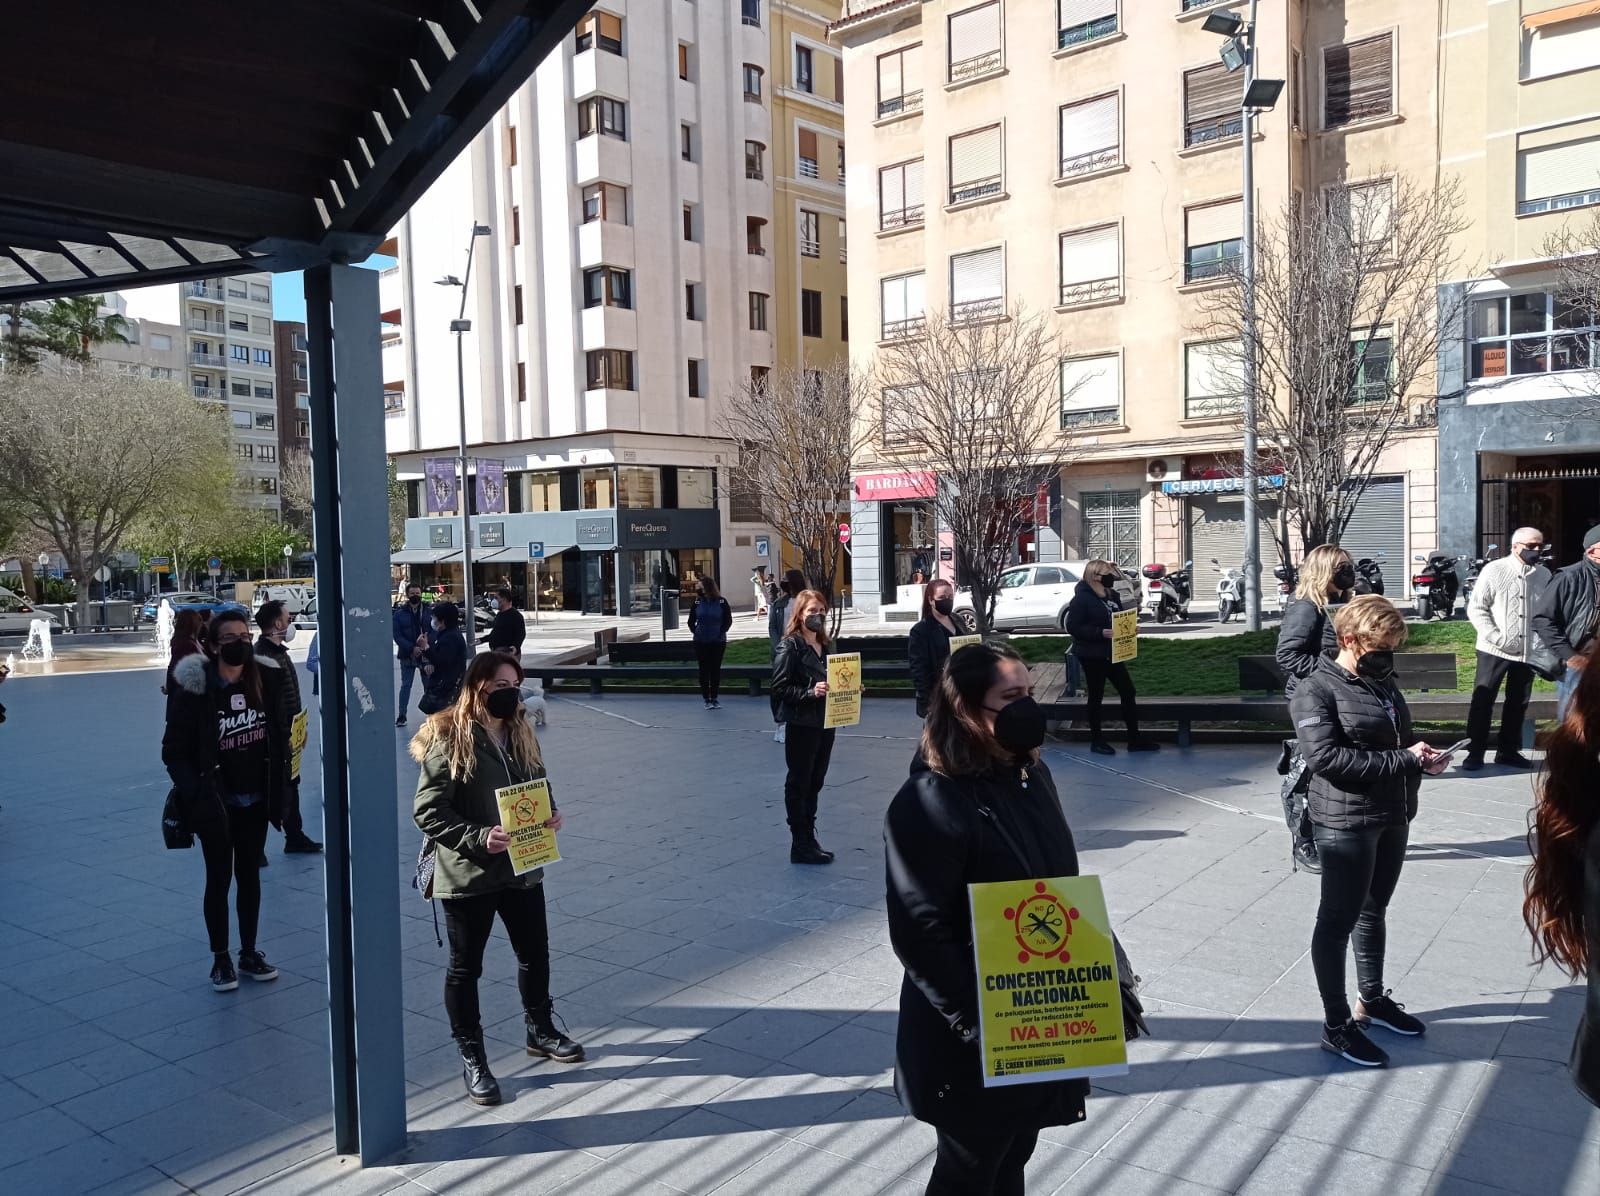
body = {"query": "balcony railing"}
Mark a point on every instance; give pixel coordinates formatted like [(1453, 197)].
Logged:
[(901, 217), (1191, 5), (975, 189), (906, 102), (971, 68), (754, 172), (1211, 406), (971, 311), (213, 394), (808, 168), (205, 290), (844, 256), (1208, 132), (810, 248), (894, 330), (1084, 419), (1557, 203), (1086, 163), (208, 361), (1087, 32), (1094, 291), (199, 324)]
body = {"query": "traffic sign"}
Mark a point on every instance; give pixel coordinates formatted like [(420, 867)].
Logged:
[(214, 564), (536, 549), (103, 573), (160, 564), (844, 533)]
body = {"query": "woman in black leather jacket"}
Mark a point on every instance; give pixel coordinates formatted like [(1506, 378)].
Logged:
[(1304, 638), (800, 683), (1366, 767), (928, 645)]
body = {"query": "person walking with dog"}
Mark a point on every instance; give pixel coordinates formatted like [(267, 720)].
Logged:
[(1499, 609), (800, 681), (709, 620)]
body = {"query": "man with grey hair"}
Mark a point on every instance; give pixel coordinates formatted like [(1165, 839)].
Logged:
[(1499, 609)]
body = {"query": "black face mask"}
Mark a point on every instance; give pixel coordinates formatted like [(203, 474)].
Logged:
[(813, 622), (944, 605), (414, 600), (1108, 580), (235, 653), (1530, 556), (1344, 577), (503, 703), (1019, 726), (1377, 666)]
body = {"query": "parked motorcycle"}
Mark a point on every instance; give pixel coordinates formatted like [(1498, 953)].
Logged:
[(1167, 592), (1369, 575), (1475, 567), (1288, 577), (1230, 591), (1436, 585)]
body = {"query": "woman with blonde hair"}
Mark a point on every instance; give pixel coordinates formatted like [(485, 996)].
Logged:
[(481, 743), (1089, 625), (1562, 886), (800, 683), (1327, 576), (1366, 768)]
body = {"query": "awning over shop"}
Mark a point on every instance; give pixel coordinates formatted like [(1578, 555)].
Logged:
[(423, 556), (518, 554)]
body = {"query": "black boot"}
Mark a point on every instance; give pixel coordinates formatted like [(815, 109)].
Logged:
[(806, 850), (482, 1088), (547, 1039)]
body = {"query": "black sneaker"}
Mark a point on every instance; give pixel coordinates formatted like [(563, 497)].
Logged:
[(301, 845), (1473, 762), (1512, 760), (401, 721), (1391, 1015), (1303, 856), (1350, 1042), (223, 978), (1101, 748), (254, 965)]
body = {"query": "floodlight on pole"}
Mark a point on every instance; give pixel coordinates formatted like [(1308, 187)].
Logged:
[(1224, 24), (1234, 53), (1262, 95)]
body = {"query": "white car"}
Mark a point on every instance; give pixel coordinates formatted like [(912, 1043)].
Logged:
[(1035, 597), (16, 613)]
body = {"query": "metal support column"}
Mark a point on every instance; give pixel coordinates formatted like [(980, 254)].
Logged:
[(349, 479), (1252, 528)]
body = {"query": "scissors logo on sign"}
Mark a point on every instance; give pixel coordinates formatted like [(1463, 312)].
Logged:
[(526, 811), (1042, 924)]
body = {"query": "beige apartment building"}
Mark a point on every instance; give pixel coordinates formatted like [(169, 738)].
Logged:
[(1519, 439), (1083, 157)]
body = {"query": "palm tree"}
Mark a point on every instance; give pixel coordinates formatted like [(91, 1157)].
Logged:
[(71, 327)]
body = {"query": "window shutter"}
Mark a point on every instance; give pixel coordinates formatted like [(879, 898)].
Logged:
[(913, 184), (1214, 369), (1091, 383), (891, 190), (610, 26), (1358, 80), (1567, 46), (975, 32), (911, 68), (1080, 12), (1565, 169), (1211, 94), (1090, 133), (891, 76), (974, 156), (975, 277), (808, 144), (1215, 222), (1090, 256)]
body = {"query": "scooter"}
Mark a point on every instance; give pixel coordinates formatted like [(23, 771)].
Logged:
[(1230, 591), (1436, 585), (1475, 567), (1287, 576), (1167, 593), (1369, 575)]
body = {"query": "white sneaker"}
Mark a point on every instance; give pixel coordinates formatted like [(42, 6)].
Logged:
[(778, 735)]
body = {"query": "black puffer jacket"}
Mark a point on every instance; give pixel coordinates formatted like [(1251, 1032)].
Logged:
[(1353, 734), (1564, 616), (927, 647), (795, 669), (1586, 1046), (1088, 618), (1304, 637), (942, 834)]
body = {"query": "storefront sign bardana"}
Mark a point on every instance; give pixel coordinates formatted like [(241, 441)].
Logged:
[(883, 487)]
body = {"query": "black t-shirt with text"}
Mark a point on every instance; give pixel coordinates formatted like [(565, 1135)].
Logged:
[(241, 743)]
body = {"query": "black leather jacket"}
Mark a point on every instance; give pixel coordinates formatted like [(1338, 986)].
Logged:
[(795, 669), (1564, 616)]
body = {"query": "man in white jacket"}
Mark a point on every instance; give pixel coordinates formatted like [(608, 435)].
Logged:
[(1499, 610)]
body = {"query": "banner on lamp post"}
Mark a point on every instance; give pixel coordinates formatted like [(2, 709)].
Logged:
[(491, 483), (439, 479)]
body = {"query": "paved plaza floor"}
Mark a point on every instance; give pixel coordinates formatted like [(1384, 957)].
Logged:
[(738, 1011)]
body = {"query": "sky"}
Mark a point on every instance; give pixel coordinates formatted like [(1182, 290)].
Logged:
[(289, 290)]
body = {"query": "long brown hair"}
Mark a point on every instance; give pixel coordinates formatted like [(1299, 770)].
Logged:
[(797, 615), (1559, 825), (956, 742), (927, 594), (1316, 576), (186, 625), (452, 726), (250, 678)]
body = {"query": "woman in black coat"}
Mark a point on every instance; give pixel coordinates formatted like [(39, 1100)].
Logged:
[(800, 681), (979, 806), (928, 645), (1089, 624), (1366, 768), (444, 660)]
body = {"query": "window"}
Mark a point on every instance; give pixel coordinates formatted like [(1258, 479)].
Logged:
[(263, 356), (263, 390), (266, 452), (238, 323), (1091, 265), (1213, 379), (1366, 210), (1556, 177), (160, 342), (239, 352), (300, 342), (1091, 136), (810, 313), (1371, 360), (808, 154), (1213, 239), (758, 312), (697, 379), (686, 142), (974, 42), (1358, 81), (267, 485), (904, 305), (693, 306), (261, 325), (683, 61), (1091, 390), (598, 488), (522, 382), (1111, 526), (810, 234), (1553, 44), (690, 224), (260, 294), (516, 303), (602, 114), (638, 486), (752, 83), (811, 385), (752, 236), (751, 12), (246, 452), (900, 195), (975, 165), (697, 489), (607, 286), (839, 162), (543, 491), (758, 379), (1080, 21), (1296, 88), (844, 249), (899, 415), (1531, 334), (900, 82), (753, 151), (511, 145), (240, 388), (237, 290), (804, 75), (241, 419), (977, 285), (600, 29), (609, 368), (302, 429), (1211, 99), (516, 225), (605, 201), (844, 317)]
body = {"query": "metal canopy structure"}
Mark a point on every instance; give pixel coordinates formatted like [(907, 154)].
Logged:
[(175, 140)]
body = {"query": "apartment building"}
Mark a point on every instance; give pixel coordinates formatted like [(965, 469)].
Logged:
[(1519, 441), (153, 348), (1083, 158), (624, 292)]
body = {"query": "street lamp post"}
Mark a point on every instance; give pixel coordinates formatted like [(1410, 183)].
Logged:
[(460, 326)]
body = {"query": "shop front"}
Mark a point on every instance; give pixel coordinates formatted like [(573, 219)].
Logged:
[(895, 538)]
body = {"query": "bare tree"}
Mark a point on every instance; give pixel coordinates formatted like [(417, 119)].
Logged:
[(1576, 252), (1349, 319), (294, 488), (797, 435), (978, 402), (85, 453)]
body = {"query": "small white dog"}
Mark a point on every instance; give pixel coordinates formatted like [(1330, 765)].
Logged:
[(533, 701)]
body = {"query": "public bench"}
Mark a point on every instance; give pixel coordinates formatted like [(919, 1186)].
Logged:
[(1416, 672), (879, 648), (756, 677)]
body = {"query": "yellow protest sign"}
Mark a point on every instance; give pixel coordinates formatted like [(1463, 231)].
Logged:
[(958, 642), (1049, 1005), (844, 690), (297, 742), (1124, 634), (524, 810)]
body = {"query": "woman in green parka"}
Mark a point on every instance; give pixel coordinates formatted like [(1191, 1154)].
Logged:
[(484, 742)]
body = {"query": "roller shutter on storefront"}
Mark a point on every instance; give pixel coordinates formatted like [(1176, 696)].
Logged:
[(1216, 529), (1378, 525)]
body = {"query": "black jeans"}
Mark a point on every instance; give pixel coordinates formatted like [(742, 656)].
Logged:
[(294, 826), (468, 921), (806, 750), (1519, 685), (981, 1163), (709, 658), (1095, 675), (232, 844), (1360, 869)]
